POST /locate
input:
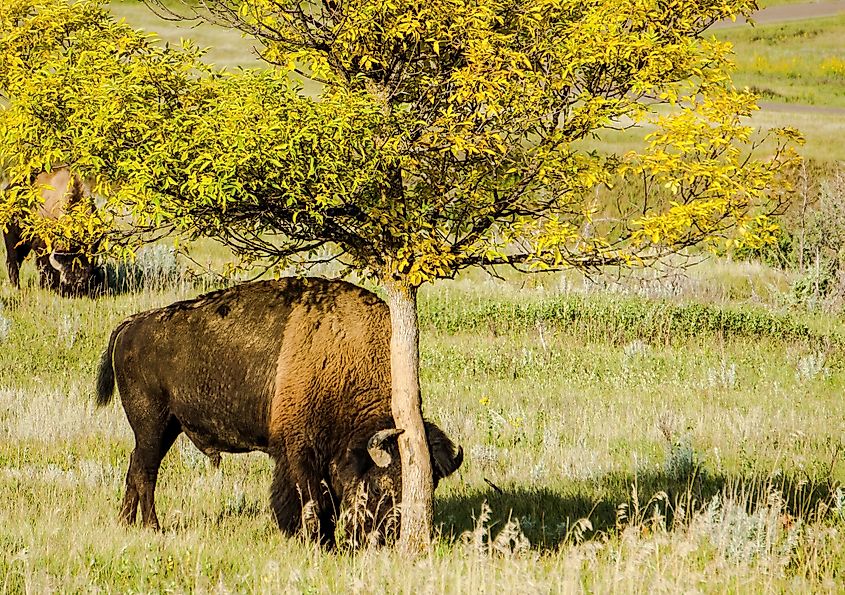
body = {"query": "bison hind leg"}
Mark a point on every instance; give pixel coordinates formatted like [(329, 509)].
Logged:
[(129, 509), (151, 445)]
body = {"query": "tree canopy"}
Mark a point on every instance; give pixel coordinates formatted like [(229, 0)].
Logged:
[(446, 135)]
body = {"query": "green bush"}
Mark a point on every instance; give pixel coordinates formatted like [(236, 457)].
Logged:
[(781, 254), (614, 319)]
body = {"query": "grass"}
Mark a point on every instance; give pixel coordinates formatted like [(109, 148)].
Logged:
[(596, 460), (822, 131), (768, 3), (619, 320), (226, 47), (654, 433), (799, 62)]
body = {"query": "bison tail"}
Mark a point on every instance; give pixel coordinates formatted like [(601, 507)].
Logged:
[(105, 378), (105, 375)]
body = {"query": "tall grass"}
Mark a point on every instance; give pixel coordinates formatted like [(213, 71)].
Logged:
[(601, 455), (614, 443), (618, 319)]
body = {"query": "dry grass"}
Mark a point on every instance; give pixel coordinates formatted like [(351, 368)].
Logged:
[(706, 465)]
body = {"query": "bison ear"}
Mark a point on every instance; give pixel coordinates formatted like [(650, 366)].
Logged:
[(358, 461), (379, 446), (446, 457)]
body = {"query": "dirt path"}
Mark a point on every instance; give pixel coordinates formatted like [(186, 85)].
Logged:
[(790, 12), (801, 108)]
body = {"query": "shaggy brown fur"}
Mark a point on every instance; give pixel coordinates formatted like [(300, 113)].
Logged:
[(68, 271), (297, 368)]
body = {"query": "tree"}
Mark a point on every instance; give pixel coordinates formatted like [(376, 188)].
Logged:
[(447, 135)]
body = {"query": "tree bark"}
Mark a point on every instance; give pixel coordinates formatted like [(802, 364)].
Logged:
[(406, 404)]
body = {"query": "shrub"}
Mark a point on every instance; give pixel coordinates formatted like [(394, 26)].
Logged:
[(821, 250), (613, 318), (156, 268)]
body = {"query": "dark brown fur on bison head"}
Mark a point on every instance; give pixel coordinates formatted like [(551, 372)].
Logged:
[(372, 480), (75, 275)]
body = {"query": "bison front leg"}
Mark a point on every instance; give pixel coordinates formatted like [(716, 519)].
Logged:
[(15, 253), (300, 502), (284, 499)]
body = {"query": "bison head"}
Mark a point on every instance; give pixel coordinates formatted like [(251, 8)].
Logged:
[(76, 274), (372, 481)]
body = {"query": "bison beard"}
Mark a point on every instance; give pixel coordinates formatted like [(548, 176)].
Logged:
[(296, 368)]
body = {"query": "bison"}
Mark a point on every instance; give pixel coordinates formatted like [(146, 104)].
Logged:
[(298, 368), (68, 272)]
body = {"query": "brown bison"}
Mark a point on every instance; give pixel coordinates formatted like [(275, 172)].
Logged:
[(68, 272), (296, 368)]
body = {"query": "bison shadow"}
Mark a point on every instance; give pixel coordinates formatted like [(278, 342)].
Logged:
[(550, 518)]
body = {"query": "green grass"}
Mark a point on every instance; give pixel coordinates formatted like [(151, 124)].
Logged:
[(702, 458), (797, 62), (618, 319), (226, 47), (691, 442)]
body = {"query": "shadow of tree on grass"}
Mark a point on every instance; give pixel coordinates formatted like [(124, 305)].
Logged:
[(612, 501)]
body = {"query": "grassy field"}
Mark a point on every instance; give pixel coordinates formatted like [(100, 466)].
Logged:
[(768, 3), (226, 48), (634, 445), (798, 62), (673, 433)]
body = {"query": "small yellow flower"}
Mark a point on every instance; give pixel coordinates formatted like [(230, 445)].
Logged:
[(484, 400)]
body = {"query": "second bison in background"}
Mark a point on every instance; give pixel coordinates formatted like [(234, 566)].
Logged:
[(297, 368), (66, 270)]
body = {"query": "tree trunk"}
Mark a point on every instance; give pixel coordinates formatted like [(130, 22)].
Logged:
[(406, 405)]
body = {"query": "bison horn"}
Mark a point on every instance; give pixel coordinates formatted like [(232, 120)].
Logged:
[(55, 263), (375, 446)]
